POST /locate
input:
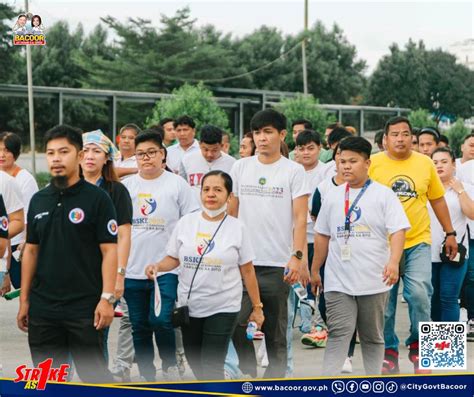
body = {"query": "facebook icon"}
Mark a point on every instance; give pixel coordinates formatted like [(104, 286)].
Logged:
[(352, 386)]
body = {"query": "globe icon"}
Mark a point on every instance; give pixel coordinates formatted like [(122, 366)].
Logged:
[(247, 387)]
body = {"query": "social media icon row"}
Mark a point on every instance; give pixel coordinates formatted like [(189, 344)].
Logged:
[(365, 386)]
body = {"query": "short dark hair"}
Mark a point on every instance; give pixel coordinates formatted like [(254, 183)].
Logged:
[(334, 125), (12, 143), (38, 17), (444, 138), (334, 152), (224, 175), (433, 131), (397, 120), (210, 134), (471, 135), (157, 128), (445, 150), (306, 123), (415, 131), (268, 117), (378, 139), (337, 135), (306, 137), (131, 126), (165, 120), (356, 144), (184, 120), (72, 134), (149, 136), (249, 135)]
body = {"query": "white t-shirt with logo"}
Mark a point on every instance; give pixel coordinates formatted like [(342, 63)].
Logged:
[(266, 193), (194, 166), (314, 178), (176, 154), (377, 215), (465, 173), (28, 187), (458, 220), (158, 204), (217, 287)]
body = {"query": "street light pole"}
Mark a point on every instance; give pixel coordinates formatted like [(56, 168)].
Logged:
[(31, 114), (303, 49)]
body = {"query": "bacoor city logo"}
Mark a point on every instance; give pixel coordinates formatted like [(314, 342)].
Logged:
[(29, 30), (4, 223), (404, 187), (147, 204), (112, 227), (76, 215)]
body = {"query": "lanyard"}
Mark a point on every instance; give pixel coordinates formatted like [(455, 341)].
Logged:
[(348, 211)]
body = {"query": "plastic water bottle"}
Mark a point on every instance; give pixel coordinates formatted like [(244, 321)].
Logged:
[(300, 291), (251, 329)]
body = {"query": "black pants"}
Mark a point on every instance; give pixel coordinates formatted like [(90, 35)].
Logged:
[(60, 339), (206, 341), (274, 296)]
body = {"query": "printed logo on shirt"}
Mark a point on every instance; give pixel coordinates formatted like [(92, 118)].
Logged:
[(195, 179), (41, 214), (356, 230), (262, 181), (147, 204), (404, 187), (4, 223), (76, 215), (112, 227), (203, 241), (262, 191), (355, 214)]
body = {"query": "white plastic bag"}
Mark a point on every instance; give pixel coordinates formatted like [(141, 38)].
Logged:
[(157, 298)]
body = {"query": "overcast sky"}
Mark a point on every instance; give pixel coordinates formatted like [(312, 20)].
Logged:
[(370, 25)]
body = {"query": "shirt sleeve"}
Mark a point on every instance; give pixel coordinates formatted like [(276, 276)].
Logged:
[(123, 204), (316, 204), (173, 246), (32, 236), (394, 214), (3, 220), (246, 253), (435, 188), (188, 201), (234, 174), (106, 219), (322, 223), (28, 187), (11, 194), (299, 183)]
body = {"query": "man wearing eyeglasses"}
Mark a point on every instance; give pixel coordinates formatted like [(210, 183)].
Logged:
[(159, 200)]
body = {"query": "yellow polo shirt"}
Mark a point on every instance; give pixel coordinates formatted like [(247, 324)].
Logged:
[(414, 181)]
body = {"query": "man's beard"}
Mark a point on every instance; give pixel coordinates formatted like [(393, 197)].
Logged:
[(60, 182)]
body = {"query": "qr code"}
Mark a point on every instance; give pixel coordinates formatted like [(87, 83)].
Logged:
[(443, 345)]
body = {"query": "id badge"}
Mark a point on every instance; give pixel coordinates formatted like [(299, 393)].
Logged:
[(346, 252)]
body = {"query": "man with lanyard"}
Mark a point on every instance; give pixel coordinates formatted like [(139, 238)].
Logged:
[(69, 264), (359, 269), (413, 178)]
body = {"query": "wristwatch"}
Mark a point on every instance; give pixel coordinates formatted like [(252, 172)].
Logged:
[(298, 255), (121, 271), (109, 297), (453, 233), (259, 305)]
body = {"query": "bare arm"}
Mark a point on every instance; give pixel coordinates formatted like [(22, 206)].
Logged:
[(250, 280), (467, 205), (391, 269), (167, 264), (16, 223), (233, 207), (321, 241), (28, 270), (123, 252), (121, 171)]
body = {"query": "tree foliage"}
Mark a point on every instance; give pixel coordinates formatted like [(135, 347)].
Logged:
[(421, 118), (456, 135)]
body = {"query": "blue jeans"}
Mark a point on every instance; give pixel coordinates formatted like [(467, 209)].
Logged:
[(447, 282), (469, 282), (140, 297), (417, 291)]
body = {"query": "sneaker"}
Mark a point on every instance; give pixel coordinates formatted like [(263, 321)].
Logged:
[(414, 357), (172, 374), (258, 335), (316, 338), (463, 315), (181, 362), (470, 330), (121, 374), (347, 367), (403, 299), (390, 362)]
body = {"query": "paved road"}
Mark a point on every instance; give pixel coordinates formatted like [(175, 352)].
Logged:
[(308, 361)]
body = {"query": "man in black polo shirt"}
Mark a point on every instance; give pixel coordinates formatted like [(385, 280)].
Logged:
[(69, 264)]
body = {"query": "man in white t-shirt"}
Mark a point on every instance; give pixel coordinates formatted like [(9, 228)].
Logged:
[(467, 150), (185, 128), (210, 157), (127, 165), (356, 222), (159, 200), (271, 198)]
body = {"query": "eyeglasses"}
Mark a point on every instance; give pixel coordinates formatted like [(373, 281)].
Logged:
[(149, 153)]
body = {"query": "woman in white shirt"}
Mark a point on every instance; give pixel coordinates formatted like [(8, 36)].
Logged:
[(10, 149), (447, 278), (219, 244)]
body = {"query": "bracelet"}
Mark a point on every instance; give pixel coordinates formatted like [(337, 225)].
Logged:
[(258, 305), (460, 192)]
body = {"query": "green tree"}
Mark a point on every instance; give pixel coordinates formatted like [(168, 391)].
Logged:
[(421, 118), (304, 107), (194, 101), (456, 135)]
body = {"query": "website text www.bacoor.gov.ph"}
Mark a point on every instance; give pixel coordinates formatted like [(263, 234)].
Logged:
[(255, 388)]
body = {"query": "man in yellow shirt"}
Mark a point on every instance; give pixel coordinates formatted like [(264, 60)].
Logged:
[(413, 177)]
